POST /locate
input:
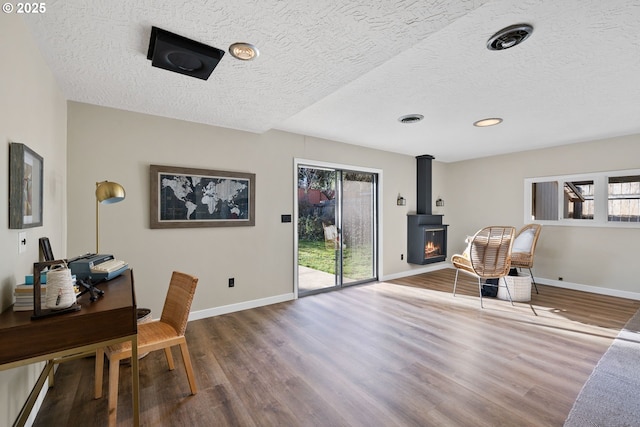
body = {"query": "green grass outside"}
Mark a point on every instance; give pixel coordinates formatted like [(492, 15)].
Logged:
[(356, 261)]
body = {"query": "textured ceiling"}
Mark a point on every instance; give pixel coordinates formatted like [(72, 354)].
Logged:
[(347, 71)]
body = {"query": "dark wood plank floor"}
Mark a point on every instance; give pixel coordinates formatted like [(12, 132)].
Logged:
[(403, 353)]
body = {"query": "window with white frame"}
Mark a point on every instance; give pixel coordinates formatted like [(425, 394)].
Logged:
[(595, 199), (624, 199), (579, 199)]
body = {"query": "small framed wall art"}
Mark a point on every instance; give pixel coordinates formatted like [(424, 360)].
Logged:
[(25, 187), (188, 197)]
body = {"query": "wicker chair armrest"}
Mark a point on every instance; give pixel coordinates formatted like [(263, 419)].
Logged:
[(462, 262)]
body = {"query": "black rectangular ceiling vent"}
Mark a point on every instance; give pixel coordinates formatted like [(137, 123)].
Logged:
[(182, 55)]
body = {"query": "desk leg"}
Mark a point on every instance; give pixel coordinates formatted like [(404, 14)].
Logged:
[(51, 375), (33, 396), (135, 380)]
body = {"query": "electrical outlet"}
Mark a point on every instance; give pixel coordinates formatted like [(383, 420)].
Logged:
[(401, 257), (232, 282)]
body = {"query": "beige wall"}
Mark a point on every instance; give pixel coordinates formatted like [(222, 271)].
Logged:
[(32, 112), (476, 193), (117, 145), (489, 191)]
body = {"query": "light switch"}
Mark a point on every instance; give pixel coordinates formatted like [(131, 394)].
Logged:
[(22, 242)]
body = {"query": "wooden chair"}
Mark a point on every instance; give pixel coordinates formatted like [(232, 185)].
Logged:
[(489, 257), (524, 248), (156, 335), (331, 237)]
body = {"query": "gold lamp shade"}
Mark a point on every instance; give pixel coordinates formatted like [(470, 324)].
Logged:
[(109, 192), (106, 193)]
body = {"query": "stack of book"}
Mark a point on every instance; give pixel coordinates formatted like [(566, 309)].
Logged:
[(24, 297)]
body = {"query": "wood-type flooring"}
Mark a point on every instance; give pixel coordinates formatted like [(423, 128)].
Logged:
[(398, 353)]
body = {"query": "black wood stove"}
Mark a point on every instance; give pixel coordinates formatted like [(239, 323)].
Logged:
[(426, 235)]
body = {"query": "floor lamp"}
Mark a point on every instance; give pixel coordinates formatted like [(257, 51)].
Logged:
[(106, 193)]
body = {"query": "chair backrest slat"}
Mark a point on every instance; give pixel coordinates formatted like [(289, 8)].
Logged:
[(178, 301), (490, 251)]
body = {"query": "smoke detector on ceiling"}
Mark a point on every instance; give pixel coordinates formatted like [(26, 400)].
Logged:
[(509, 37)]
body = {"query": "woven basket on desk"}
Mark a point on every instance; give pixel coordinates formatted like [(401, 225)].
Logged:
[(60, 293), (519, 287)]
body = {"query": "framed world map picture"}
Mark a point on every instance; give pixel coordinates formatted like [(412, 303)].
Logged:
[(188, 197)]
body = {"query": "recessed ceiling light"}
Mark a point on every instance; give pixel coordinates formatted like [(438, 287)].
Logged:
[(411, 118), (244, 51), (488, 122)]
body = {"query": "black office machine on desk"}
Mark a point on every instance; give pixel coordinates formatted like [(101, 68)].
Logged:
[(91, 269), (97, 267)]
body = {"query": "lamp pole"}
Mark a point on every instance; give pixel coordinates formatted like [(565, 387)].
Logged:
[(97, 222)]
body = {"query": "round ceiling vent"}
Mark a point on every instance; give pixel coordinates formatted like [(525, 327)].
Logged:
[(509, 37), (411, 118)]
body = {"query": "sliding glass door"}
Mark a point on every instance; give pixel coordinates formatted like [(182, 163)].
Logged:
[(359, 229), (337, 228), (318, 229)]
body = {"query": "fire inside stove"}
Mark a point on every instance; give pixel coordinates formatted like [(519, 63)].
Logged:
[(433, 243), (431, 250)]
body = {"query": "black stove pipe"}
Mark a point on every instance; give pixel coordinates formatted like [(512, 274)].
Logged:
[(424, 178)]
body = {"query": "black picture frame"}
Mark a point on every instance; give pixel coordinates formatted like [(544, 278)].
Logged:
[(26, 183), (189, 197)]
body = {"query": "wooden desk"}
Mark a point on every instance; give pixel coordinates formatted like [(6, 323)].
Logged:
[(109, 320)]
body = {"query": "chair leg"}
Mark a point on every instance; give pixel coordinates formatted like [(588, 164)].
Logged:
[(114, 374), (480, 292), (169, 356), (507, 287), (188, 367), (99, 366), (533, 280), (455, 282)]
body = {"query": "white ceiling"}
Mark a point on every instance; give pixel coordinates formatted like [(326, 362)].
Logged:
[(347, 70)]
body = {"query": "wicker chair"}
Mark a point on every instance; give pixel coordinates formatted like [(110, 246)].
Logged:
[(489, 257), (156, 335), (523, 258)]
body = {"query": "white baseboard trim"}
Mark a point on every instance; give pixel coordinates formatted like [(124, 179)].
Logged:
[(587, 288), (245, 305), (557, 283), (231, 308), (413, 272)]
